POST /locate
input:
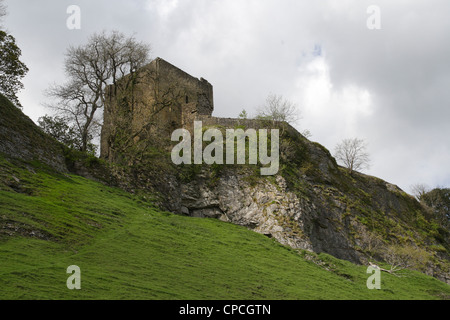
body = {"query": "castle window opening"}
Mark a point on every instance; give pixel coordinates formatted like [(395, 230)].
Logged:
[(187, 99)]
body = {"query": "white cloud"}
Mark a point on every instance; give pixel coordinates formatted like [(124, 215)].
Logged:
[(330, 113), (163, 7)]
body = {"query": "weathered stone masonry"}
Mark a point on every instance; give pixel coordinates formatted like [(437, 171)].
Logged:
[(164, 99)]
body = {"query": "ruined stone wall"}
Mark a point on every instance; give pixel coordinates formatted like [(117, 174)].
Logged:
[(231, 122)]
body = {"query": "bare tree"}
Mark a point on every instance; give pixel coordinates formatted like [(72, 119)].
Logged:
[(91, 68), (78, 105), (279, 109), (352, 153), (419, 189), (403, 257), (370, 241)]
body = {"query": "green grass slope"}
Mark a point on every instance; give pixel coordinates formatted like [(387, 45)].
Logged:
[(128, 249)]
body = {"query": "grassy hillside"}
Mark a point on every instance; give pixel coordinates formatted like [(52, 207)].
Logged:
[(128, 249)]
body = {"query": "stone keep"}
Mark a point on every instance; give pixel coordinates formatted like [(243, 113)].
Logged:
[(162, 99)]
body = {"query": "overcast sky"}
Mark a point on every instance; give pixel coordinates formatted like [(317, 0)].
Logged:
[(389, 86)]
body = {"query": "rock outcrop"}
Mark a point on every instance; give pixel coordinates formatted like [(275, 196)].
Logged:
[(21, 139)]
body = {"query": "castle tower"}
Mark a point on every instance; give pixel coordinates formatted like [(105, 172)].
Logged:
[(159, 100)]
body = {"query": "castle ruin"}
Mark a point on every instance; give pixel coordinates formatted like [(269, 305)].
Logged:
[(144, 108), (160, 99)]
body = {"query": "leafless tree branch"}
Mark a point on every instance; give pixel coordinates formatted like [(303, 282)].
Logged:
[(91, 68)]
